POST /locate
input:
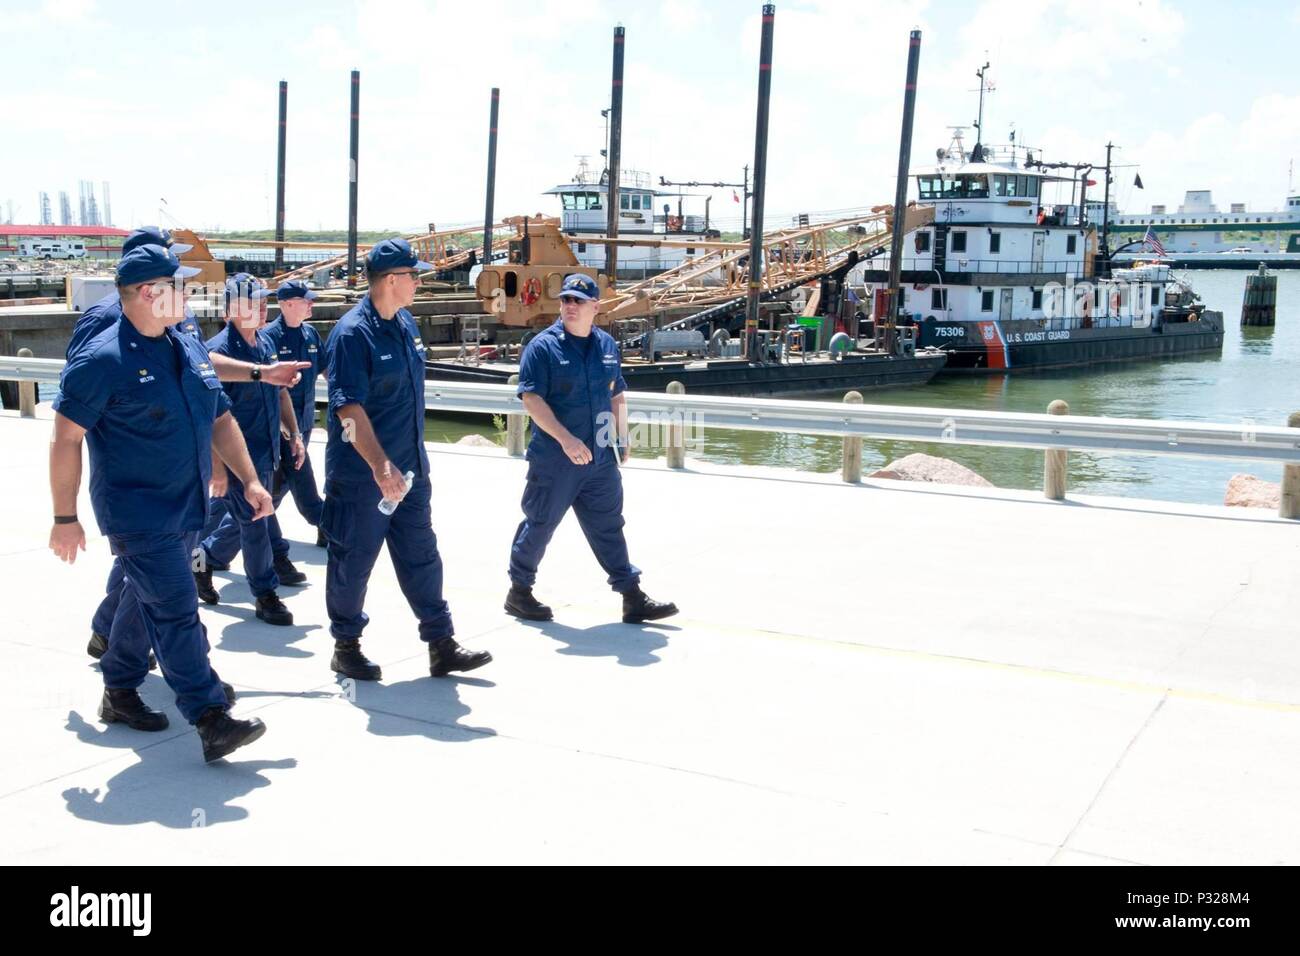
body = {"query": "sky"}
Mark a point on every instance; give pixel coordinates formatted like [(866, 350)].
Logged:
[(178, 111)]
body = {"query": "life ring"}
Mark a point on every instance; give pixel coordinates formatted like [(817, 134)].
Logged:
[(532, 291)]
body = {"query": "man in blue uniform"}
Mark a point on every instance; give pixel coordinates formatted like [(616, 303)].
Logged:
[(260, 412), (572, 385), (295, 340), (376, 438), (145, 398), (100, 316)]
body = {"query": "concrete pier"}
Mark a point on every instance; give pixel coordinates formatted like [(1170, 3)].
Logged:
[(903, 674)]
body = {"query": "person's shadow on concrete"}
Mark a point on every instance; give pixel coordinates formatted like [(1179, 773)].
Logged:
[(423, 707), (248, 635), (171, 785), (632, 645)]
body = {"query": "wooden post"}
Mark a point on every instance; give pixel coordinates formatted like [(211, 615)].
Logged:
[(851, 467), (26, 391), (1055, 462), (515, 429), (1289, 501), (676, 433)]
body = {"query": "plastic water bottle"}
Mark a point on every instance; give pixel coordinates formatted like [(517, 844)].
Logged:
[(388, 507)]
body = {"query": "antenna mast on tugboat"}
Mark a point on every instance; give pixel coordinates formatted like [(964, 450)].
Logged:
[(977, 154)]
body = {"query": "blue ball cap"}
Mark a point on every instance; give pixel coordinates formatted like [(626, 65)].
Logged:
[(579, 286), (294, 289), (154, 236), (241, 285), (394, 254), (147, 262)]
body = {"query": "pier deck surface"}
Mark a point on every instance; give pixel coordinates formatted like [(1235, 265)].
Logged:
[(885, 673)]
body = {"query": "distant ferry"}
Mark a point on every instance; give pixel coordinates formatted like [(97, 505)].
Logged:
[(1004, 281), (1201, 236)]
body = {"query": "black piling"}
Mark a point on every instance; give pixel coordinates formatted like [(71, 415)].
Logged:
[(890, 315), (279, 177), (352, 180), (615, 157), (760, 182), (491, 178)]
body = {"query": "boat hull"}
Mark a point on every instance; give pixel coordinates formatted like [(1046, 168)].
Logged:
[(1014, 345)]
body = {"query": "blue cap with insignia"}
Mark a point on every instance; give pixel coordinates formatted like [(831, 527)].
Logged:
[(150, 262), (241, 285), (294, 289), (394, 254), (579, 286), (154, 236)]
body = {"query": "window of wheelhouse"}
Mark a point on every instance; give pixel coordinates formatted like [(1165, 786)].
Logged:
[(937, 186), (923, 241), (957, 241)]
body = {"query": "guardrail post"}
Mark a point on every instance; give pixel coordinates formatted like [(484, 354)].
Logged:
[(851, 467), (1055, 462), (515, 429), (1288, 505), (26, 391), (676, 433)]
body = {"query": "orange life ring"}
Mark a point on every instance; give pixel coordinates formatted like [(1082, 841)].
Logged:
[(532, 291)]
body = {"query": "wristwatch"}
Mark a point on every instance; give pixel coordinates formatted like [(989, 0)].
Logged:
[(256, 373)]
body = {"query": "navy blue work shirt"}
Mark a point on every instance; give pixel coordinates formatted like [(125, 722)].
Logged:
[(108, 310), (302, 344), (576, 379), (255, 406), (147, 405), (378, 364)]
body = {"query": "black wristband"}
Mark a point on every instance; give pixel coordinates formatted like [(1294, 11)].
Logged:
[(65, 519)]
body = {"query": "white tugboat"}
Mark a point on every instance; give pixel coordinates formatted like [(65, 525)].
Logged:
[(645, 213), (1005, 280)]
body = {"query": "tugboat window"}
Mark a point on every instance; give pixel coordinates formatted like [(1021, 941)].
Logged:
[(986, 300), (1036, 301), (938, 186), (939, 298), (959, 242), (995, 243), (999, 185), (625, 201), (1155, 295), (1071, 244), (923, 241), (1011, 186)]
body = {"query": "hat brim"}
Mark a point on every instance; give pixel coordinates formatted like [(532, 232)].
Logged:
[(582, 296), (307, 294), (179, 248), (260, 293), (186, 272), (424, 266)]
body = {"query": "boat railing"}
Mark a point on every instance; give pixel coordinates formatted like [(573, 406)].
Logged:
[(963, 265)]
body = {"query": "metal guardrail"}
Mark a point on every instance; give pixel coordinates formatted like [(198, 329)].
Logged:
[(1247, 441)]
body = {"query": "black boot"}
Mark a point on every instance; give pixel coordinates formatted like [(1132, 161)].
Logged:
[(272, 610), (126, 707), (320, 538), (637, 607), (521, 603), (98, 647), (350, 662), (222, 734), (289, 575), (445, 656), (203, 581)]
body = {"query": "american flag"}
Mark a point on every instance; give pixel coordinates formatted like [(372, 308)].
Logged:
[(1150, 240)]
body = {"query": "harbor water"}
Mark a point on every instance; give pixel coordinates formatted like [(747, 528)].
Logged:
[(1255, 380)]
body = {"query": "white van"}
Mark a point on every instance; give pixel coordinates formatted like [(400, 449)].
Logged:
[(51, 249)]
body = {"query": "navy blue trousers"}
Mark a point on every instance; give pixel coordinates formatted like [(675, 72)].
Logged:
[(159, 602), (301, 483), (237, 531), (355, 530), (595, 492)]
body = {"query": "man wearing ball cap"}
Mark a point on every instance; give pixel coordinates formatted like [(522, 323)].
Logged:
[(376, 439), (571, 381), (295, 340), (146, 400)]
